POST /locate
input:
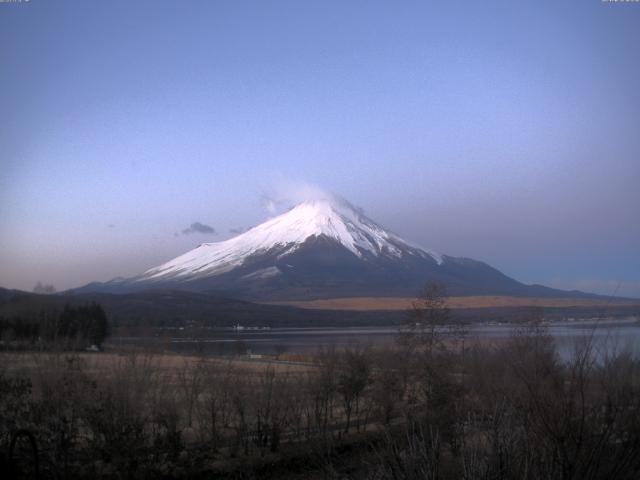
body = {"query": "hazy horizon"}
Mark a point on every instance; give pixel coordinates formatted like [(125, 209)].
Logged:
[(503, 132)]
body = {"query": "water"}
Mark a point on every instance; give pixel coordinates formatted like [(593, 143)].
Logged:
[(619, 335)]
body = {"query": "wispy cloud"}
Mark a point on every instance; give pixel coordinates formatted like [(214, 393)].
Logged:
[(197, 227), (285, 192)]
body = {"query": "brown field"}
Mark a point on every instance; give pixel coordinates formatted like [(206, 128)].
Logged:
[(167, 364), (393, 303)]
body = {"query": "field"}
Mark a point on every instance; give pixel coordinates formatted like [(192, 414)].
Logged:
[(397, 303)]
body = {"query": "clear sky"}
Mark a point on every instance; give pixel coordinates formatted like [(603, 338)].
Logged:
[(504, 131)]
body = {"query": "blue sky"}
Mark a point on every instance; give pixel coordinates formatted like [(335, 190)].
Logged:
[(501, 131)]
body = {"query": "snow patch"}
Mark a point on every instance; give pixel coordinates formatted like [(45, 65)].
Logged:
[(333, 218), (262, 273)]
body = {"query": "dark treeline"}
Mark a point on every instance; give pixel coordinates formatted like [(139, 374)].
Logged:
[(437, 405), (74, 326), (161, 309)]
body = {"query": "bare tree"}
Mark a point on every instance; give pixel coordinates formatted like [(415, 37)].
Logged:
[(215, 407), (423, 329), (191, 380), (354, 376)]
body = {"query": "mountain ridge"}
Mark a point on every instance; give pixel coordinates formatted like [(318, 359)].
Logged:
[(322, 248)]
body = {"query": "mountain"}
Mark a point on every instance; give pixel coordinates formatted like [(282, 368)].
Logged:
[(321, 249)]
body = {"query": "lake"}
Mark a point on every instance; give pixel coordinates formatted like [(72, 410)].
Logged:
[(621, 334)]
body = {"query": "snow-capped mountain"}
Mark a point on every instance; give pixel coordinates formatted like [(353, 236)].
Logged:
[(320, 249), (335, 220)]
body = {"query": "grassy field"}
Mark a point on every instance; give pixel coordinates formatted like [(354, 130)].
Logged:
[(396, 303), (167, 365)]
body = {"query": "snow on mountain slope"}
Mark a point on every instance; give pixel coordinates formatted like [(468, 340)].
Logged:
[(320, 249), (333, 218)]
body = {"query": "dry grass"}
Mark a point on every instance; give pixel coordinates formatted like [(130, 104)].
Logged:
[(166, 365), (393, 303)]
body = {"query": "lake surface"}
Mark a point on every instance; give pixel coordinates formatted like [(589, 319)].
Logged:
[(619, 334)]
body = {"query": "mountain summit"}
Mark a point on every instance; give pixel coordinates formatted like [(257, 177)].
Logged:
[(335, 220), (321, 249)]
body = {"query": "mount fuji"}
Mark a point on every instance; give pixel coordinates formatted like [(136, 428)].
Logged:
[(323, 248)]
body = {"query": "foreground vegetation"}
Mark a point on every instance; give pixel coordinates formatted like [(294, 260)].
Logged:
[(73, 327), (431, 407)]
